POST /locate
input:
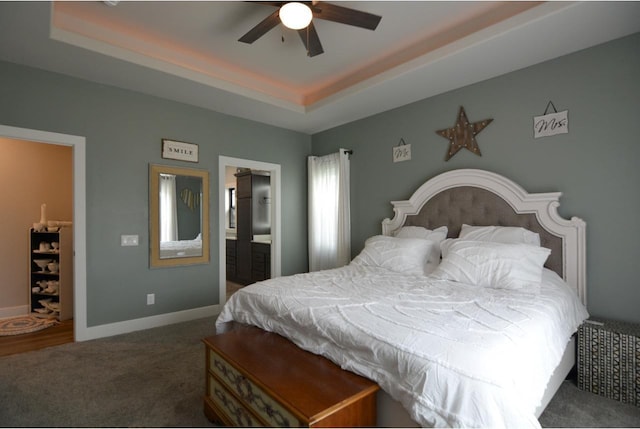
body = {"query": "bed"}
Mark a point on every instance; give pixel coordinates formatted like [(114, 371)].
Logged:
[(450, 310)]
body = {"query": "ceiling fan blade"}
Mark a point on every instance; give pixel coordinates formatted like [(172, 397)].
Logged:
[(345, 15), (262, 28), (311, 40)]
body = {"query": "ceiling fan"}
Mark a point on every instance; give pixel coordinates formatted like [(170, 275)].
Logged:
[(306, 29)]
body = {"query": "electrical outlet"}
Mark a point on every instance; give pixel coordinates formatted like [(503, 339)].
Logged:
[(128, 240), (151, 298)]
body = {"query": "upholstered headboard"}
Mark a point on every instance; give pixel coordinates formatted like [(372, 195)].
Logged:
[(478, 197)]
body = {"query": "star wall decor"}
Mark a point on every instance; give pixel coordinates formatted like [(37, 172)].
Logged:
[(463, 134)]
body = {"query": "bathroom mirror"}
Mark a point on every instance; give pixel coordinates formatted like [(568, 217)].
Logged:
[(178, 216)]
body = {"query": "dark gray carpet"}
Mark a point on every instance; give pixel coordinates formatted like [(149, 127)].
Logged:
[(155, 378), (571, 407), (152, 378)]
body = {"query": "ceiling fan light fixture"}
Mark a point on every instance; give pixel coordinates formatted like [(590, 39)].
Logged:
[(295, 15)]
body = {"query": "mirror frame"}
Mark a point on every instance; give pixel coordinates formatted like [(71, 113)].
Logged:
[(154, 216)]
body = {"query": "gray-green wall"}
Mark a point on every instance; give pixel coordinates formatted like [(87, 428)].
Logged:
[(123, 131), (596, 165)]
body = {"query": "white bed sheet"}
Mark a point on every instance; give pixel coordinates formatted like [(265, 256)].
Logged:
[(180, 249), (452, 354)]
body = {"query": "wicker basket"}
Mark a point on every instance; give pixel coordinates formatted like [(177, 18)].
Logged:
[(609, 359)]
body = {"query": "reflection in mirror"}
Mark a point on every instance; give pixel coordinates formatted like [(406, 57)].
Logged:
[(179, 216), (230, 208)]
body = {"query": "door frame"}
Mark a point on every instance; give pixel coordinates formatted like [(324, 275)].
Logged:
[(276, 203), (78, 146)]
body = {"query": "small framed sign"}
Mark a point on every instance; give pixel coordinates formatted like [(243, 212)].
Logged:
[(181, 151), (402, 152), (550, 124)]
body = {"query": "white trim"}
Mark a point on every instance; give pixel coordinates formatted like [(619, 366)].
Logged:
[(79, 214), (20, 310), (276, 246), (544, 205), (126, 326)]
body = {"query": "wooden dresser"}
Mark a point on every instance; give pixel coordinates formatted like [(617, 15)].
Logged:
[(257, 378)]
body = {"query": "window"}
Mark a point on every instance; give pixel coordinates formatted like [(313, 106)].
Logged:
[(168, 208), (329, 211)]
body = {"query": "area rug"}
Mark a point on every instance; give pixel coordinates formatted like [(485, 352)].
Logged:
[(23, 325)]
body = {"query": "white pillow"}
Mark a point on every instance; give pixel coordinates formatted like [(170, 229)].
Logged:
[(496, 265), (437, 235), (499, 234), (403, 255)]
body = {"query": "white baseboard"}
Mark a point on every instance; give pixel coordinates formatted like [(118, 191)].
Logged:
[(108, 330), (21, 310)]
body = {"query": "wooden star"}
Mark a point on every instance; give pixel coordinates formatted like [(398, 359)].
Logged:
[(463, 134)]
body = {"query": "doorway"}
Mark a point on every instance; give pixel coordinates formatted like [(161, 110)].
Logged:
[(77, 144), (274, 170)]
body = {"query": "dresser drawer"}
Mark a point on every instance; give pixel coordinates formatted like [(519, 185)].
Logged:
[(251, 395), (232, 409)]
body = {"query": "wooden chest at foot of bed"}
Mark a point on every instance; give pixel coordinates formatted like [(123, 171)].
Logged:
[(257, 378), (609, 359)]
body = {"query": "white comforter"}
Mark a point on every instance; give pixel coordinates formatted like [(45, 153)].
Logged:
[(180, 248), (452, 354)]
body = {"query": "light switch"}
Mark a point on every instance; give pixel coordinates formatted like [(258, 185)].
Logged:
[(128, 240)]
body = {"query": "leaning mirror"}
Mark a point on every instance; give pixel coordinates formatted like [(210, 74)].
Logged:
[(178, 216)]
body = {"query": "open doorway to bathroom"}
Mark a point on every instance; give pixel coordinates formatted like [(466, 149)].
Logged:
[(244, 260)]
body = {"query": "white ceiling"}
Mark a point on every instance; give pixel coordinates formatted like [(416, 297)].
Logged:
[(188, 51)]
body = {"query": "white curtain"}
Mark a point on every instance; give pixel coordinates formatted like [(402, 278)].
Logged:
[(168, 208), (329, 211)]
